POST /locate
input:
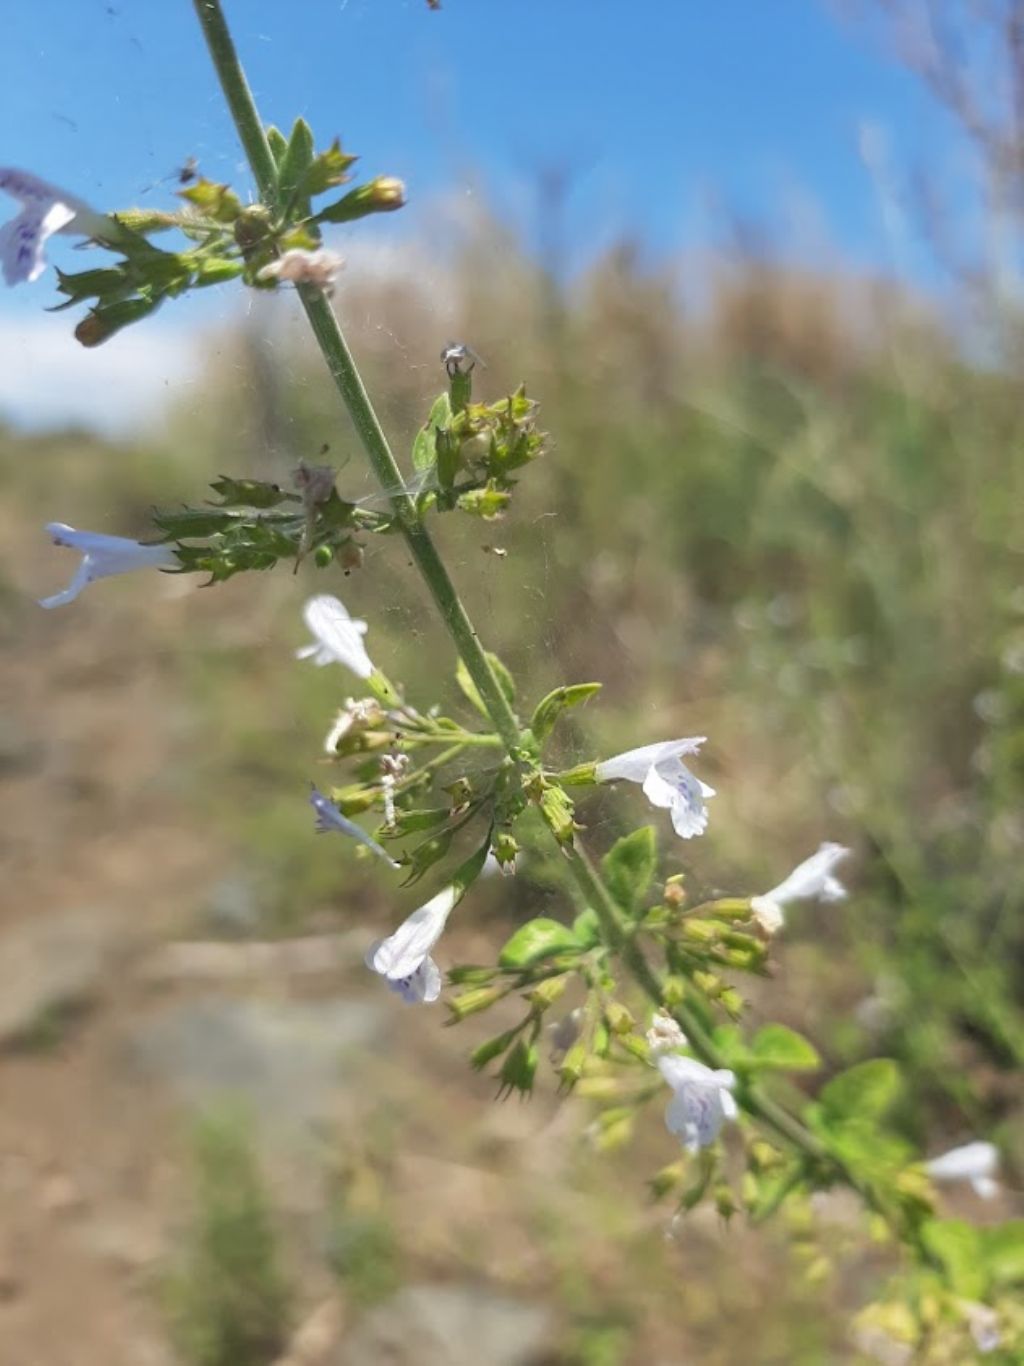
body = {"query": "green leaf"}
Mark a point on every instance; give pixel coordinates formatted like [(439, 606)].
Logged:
[(278, 143), (777, 1046), (176, 524), (629, 867), (1004, 1252), (250, 493), (550, 708), (424, 448), (505, 682), (295, 164), (534, 941), (864, 1092), (586, 928), (958, 1247)]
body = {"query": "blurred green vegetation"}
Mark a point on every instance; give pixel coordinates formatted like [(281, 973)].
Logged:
[(228, 1304), (789, 519)]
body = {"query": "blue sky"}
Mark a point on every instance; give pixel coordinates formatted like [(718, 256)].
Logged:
[(663, 109)]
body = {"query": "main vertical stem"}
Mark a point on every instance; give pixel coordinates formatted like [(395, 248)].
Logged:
[(349, 383), (350, 386)]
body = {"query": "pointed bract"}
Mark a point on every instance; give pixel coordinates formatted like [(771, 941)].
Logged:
[(103, 556)]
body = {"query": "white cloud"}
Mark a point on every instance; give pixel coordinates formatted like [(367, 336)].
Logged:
[(47, 379)]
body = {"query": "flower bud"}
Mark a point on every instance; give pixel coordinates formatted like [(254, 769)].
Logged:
[(252, 227), (673, 991), (350, 556), (473, 1001), (573, 1064), (618, 1018), (387, 192), (675, 892), (546, 993), (519, 1069)]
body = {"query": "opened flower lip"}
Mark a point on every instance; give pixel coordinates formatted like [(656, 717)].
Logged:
[(329, 819), (814, 878), (404, 960), (103, 556), (320, 268), (667, 783), (976, 1163), (45, 209), (701, 1099), (337, 637)]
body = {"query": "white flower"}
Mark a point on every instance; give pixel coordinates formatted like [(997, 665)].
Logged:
[(983, 1326), (361, 715), (44, 211), (320, 268), (813, 878), (664, 1035), (667, 782), (701, 1100), (404, 957), (338, 637), (103, 556), (976, 1163)]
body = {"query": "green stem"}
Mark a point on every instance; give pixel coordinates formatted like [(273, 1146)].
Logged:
[(350, 386), (238, 95)]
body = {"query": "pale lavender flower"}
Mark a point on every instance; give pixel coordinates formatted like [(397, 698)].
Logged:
[(976, 1163), (404, 957), (983, 1326), (320, 268), (812, 878), (338, 638), (103, 556), (667, 782), (45, 209), (329, 820), (701, 1100)]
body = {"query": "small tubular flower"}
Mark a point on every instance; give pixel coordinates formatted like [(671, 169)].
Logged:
[(976, 1163), (45, 209), (404, 960), (812, 878), (338, 638), (320, 268), (103, 556), (664, 1035), (667, 782), (329, 820), (701, 1100)]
